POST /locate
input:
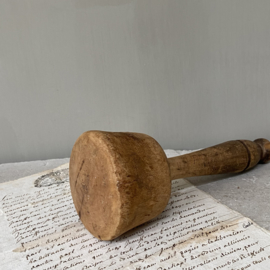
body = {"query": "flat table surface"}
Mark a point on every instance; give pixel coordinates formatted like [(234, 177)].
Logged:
[(247, 193)]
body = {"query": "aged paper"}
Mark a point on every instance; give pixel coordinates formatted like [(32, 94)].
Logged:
[(40, 229)]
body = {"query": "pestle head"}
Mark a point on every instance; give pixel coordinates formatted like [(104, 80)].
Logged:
[(118, 181)]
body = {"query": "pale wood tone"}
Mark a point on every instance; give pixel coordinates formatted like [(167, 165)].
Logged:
[(121, 180)]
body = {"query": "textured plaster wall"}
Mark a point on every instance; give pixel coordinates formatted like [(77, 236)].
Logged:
[(189, 73)]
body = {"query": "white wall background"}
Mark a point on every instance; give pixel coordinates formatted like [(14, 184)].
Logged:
[(190, 73)]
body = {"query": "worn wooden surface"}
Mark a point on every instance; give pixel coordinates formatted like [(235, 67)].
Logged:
[(121, 180), (231, 156), (118, 181)]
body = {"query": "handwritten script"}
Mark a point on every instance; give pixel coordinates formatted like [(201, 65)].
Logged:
[(40, 229)]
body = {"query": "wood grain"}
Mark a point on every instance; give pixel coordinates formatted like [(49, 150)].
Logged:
[(120, 180)]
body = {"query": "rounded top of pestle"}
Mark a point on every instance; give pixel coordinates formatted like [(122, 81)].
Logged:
[(265, 146)]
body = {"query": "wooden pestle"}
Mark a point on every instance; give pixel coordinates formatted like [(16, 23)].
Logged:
[(232, 156), (121, 180)]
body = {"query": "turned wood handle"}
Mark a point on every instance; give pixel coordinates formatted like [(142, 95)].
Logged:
[(228, 157)]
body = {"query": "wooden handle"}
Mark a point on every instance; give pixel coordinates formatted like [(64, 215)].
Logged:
[(228, 157)]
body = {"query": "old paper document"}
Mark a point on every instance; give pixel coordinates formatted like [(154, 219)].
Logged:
[(40, 229)]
